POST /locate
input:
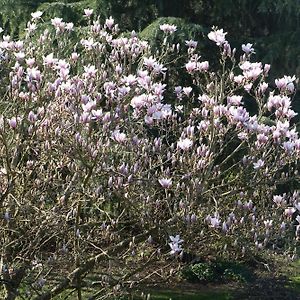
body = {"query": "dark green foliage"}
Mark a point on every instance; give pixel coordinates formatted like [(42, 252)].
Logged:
[(203, 272), (273, 26), (185, 31), (220, 271), (131, 14)]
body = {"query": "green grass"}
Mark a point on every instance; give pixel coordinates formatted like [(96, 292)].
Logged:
[(194, 295)]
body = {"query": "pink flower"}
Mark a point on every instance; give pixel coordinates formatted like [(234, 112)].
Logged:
[(119, 136), (247, 48), (30, 62), (69, 26), (217, 36), (167, 28), (234, 100), (89, 71), (139, 101), (214, 222), (49, 60), (187, 90), (32, 117), (185, 144), (165, 182), (149, 62), (57, 22), (279, 200), (268, 223), (286, 83), (13, 122), (33, 74), (251, 71), (109, 23), (289, 211), (74, 56), (258, 165), (175, 244), (267, 68), (191, 44), (203, 66), (36, 15), (88, 12), (191, 66)]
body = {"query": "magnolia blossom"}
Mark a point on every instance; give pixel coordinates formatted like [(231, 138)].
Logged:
[(259, 164), (69, 26), (247, 48), (139, 101), (234, 100), (160, 111), (88, 12), (191, 66), (109, 23), (57, 22), (203, 66), (185, 144), (90, 71), (191, 44), (268, 223), (289, 211), (215, 222), (175, 244), (13, 122), (165, 182), (36, 15), (251, 71), (49, 60), (187, 90), (279, 200), (286, 83), (218, 36), (167, 28), (119, 137)]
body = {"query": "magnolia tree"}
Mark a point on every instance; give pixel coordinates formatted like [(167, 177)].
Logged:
[(111, 169)]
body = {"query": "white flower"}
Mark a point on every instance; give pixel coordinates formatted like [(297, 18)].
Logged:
[(175, 244), (278, 200), (191, 44), (176, 239), (167, 28), (248, 48), (119, 137), (203, 66), (165, 182), (218, 36), (258, 165), (36, 15), (185, 144), (268, 223), (57, 22), (109, 23), (215, 222), (191, 66), (289, 211), (88, 12)]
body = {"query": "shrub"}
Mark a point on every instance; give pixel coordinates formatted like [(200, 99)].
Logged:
[(203, 272), (106, 162)]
